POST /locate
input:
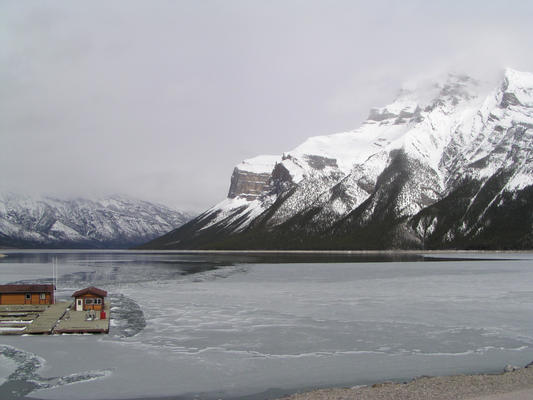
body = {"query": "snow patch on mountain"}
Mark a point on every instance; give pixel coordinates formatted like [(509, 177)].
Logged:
[(260, 164), (231, 210)]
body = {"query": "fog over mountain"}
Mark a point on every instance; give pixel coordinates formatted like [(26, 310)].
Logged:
[(159, 100)]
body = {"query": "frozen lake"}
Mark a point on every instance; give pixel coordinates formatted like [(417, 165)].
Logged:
[(228, 326)]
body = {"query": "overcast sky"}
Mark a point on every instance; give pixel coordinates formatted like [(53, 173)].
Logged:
[(160, 99)]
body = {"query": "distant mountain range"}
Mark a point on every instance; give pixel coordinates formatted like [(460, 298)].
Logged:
[(110, 222), (446, 165)]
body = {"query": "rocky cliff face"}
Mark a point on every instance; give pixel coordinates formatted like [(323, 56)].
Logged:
[(250, 178), (248, 185), (446, 165), (112, 222)]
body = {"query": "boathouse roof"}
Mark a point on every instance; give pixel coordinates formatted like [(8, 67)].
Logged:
[(90, 290), (26, 288)]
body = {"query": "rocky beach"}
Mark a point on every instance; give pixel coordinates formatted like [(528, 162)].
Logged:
[(513, 383)]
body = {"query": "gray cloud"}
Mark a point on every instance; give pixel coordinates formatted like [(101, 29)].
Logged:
[(161, 99)]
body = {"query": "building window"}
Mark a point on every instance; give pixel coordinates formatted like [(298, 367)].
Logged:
[(28, 296), (97, 301), (42, 296), (89, 301)]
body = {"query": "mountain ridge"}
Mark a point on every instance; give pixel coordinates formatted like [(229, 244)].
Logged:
[(116, 221), (433, 169)]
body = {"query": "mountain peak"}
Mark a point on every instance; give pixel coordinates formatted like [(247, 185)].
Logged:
[(518, 78), (518, 88)]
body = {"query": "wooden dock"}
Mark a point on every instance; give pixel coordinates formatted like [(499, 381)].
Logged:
[(76, 322), (49, 319), (15, 319)]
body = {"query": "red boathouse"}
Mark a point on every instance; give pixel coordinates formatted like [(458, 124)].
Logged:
[(90, 298)]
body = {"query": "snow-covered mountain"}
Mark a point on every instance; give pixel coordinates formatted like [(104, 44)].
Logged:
[(111, 222), (448, 164)]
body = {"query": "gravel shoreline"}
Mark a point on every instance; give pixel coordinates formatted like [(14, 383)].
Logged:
[(459, 387)]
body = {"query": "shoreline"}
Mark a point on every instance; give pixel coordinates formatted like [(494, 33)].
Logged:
[(514, 383), (6, 251)]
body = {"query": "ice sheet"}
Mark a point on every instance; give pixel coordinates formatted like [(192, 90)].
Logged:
[(7, 367), (224, 331)]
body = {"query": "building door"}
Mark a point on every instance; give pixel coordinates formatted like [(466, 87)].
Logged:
[(79, 304)]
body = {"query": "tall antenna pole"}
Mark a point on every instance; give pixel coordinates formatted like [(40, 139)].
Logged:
[(55, 275)]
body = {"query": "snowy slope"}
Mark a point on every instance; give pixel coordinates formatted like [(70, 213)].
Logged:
[(115, 221), (366, 187)]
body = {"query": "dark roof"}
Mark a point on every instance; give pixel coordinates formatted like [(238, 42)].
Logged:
[(26, 288), (91, 290)]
